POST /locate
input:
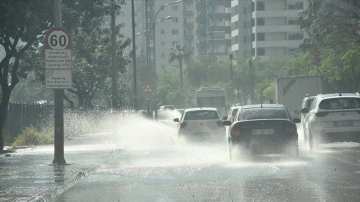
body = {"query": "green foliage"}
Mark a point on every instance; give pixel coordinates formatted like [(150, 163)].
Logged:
[(31, 136)]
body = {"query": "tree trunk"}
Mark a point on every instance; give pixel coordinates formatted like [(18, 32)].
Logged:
[(3, 113)]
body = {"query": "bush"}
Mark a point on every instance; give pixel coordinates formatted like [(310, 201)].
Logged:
[(31, 136)]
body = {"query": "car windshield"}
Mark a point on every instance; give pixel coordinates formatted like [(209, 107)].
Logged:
[(340, 103), (262, 113), (201, 115)]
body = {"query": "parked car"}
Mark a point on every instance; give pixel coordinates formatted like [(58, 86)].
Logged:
[(203, 123), (262, 129), (333, 117)]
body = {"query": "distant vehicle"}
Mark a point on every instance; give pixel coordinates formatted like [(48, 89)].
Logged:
[(212, 97), (290, 91), (200, 124), (332, 117), (166, 107), (166, 114), (231, 117), (262, 129)]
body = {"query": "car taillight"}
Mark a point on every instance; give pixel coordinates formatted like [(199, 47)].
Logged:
[(290, 129), (321, 114), (183, 124), (235, 132), (220, 123)]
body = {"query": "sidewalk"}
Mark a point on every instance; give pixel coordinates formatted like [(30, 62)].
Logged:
[(27, 176)]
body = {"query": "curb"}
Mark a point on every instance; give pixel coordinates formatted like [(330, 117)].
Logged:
[(59, 190)]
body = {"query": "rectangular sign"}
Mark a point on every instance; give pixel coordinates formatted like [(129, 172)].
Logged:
[(58, 59), (58, 78)]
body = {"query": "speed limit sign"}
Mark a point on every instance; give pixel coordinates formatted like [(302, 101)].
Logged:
[(57, 38)]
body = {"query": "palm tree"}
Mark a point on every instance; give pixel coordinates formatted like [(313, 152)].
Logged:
[(177, 53)]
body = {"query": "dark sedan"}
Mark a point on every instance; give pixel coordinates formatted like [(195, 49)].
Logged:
[(262, 129)]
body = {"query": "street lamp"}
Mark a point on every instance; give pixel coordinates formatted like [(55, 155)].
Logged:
[(154, 27)]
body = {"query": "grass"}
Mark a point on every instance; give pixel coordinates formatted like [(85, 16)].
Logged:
[(30, 136)]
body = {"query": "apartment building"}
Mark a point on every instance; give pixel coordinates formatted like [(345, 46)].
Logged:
[(273, 29), (214, 28)]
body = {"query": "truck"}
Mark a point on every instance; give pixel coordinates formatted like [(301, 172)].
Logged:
[(290, 91), (212, 97)]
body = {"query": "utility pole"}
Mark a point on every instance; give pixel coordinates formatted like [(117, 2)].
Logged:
[(134, 53), (114, 88), (59, 105)]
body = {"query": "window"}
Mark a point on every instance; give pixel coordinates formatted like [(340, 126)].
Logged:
[(175, 19), (260, 51), (293, 22), (201, 115), (175, 31), (296, 6), (296, 36), (260, 37), (260, 6), (265, 113), (260, 21)]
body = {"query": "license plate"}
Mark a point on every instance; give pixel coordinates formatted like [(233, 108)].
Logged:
[(263, 131), (343, 123)]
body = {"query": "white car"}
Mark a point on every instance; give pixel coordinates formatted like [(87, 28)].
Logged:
[(203, 123), (333, 117)]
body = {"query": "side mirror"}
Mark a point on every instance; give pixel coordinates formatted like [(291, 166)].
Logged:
[(226, 123), (304, 110), (225, 118), (296, 120), (176, 120)]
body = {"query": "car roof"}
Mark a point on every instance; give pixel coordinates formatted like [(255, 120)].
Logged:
[(263, 106), (333, 95), (200, 108)]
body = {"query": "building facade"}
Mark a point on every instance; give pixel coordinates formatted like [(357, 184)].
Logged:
[(214, 28), (273, 26)]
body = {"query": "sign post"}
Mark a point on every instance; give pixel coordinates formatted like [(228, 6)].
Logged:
[(58, 76)]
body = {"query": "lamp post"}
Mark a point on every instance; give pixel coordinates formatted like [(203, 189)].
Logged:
[(154, 27), (134, 54), (153, 39), (151, 29)]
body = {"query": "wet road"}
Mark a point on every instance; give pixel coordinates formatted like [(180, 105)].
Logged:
[(135, 165)]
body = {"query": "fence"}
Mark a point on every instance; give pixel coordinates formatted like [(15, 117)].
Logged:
[(22, 115)]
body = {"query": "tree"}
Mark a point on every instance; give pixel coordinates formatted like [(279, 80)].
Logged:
[(177, 53), (92, 57), (22, 26), (22, 23)]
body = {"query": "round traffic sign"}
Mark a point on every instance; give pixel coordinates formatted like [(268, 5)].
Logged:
[(57, 38)]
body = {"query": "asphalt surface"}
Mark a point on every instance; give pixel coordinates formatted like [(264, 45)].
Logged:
[(27, 176)]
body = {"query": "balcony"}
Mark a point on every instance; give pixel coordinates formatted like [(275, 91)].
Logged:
[(276, 28), (282, 43), (274, 13)]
